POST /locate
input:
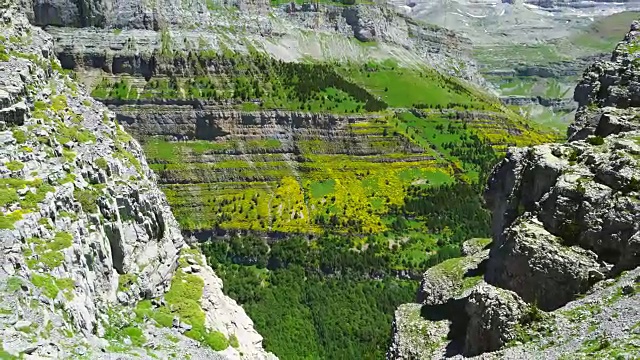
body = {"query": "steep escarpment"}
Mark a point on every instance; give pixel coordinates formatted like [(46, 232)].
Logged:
[(129, 14), (94, 262), (561, 276), (220, 124), (358, 33), (241, 105)]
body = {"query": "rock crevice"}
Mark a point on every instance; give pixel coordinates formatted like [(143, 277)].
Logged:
[(90, 239)]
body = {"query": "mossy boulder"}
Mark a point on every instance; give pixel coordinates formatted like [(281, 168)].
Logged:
[(454, 278)]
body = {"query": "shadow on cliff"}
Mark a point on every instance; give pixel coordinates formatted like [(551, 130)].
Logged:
[(453, 311)]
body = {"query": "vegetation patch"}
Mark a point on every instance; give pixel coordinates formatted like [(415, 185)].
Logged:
[(102, 163), (183, 301), (47, 252), (133, 333), (7, 220), (20, 136), (14, 284), (125, 282), (51, 286), (14, 165), (87, 198)]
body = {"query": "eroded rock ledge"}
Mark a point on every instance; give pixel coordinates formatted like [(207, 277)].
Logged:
[(561, 276), (93, 262)]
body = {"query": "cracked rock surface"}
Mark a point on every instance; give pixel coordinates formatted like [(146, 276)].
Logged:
[(561, 279), (92, 259)]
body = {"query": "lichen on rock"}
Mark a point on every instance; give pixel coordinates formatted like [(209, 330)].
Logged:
[(87, 234), (566, 225)]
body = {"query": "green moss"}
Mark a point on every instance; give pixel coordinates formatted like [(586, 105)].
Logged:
[(135, 334), (8, 195), (20, 136), (125, 281), (66, 285), (123, 154), (59, 103), (183, 301), (29, 329), (48, 251), (184, 296), (32, 199), (14, 284), (14, 165), (233, 341), (45, 221), (40, 105), (7, 220), (102, 163), (69, 155), (62, 240), (47, 284), (596, 140), (75, 133), (51, 259), (215, 340), (172, 338), (3, 53), (68, 179), (88, 199), (592, 346)]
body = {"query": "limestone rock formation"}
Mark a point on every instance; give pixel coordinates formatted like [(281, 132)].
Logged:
[(439, 319), (566, 230), (93, 261), (139, 39), (493, 315), (540, 268), (125, 14), (415, 337), (454, 278)]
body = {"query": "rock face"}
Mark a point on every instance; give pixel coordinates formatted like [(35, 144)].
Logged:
[(540, 268), (454, 278), (608, 93), (493, 315), (565, 224), (207, 123), (124, 14), (87, 234), (579, 196)]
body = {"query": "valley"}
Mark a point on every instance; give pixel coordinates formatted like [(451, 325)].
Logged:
[(531, 52), (325, 181)]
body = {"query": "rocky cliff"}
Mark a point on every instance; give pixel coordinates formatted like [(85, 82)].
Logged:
[(93, 262), (561, 275), (126, 14)]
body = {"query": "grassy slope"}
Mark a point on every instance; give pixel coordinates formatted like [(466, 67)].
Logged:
[(258, 185), (605, 33)]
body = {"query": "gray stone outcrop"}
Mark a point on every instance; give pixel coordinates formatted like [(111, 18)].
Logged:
[(88, 235)]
